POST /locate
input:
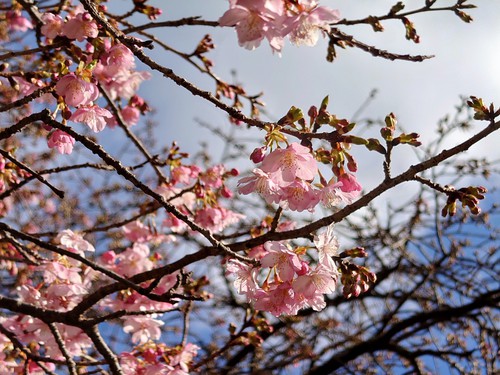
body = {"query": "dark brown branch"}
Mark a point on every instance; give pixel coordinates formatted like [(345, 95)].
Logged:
[(35, 174)]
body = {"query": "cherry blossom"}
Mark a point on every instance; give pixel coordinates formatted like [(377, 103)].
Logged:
[(17, 22), (93, 116), (80, 27), (245, 282), (61, 141), (299, 196), (76, 91), (130, 115), (293, 162), (137, 232), (304, 27), (254, 21), (216, 218), (283, 260), (278, 300), (74, 242), (52, 25), (134, 260), (327, 244), (268, 185), (143, 328)]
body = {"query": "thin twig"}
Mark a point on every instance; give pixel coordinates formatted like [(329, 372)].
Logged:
[(35, 174)]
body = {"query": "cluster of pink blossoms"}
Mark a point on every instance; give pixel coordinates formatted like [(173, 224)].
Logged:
[(300, 20), (291, 282), (285, 177), (202, 204), (114, 70), (65, 283)]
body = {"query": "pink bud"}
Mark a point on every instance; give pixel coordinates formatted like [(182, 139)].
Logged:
[(225, 192), (258, 154)]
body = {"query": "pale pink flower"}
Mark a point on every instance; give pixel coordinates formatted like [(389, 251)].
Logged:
[(134, 260), (56, 271), (118, 59), (350, 185), (130, 115), (61, 141), (285, 262), (125, 84), (52, 25), (64, 296), (278, 300), (216, 218), (76, 91), (254, 21), (137, 232), (185, 357), (321, 280), (299, 196), (245, 282), (17, 22), (143, 328), (293, 162), (263, 183), (80, 27), (175, 224), (93, 116), (331, 195), (305, 26), (213, 176), (74, 242), (184, 174), (327, 244)]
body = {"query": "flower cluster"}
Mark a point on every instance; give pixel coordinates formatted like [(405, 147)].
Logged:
[(78, 25), (301, 21), (292, 282), (286, 176)]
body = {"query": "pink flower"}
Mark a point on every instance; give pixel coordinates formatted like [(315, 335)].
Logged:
[(213, 176), (143, 328), (216, 218), (278, 300), (80, 27), (118, 59), (327, 245), (322, 280), (305, 26), (130, 115), (284, 261), (76, 91), (74, 242), (125, 84), (184, 174), (137, 232), (93, 116), (293, 162), (134, 260), (299, 196), (61, 141), (263, 183), (245, 282), (52, 25), (254, 21), (16, 22), (349, 184), (185, 357)]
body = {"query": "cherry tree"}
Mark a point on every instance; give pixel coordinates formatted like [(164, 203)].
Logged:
[(121, 254)]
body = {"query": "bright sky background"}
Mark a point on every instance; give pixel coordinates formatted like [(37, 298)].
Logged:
[(466, 63)]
